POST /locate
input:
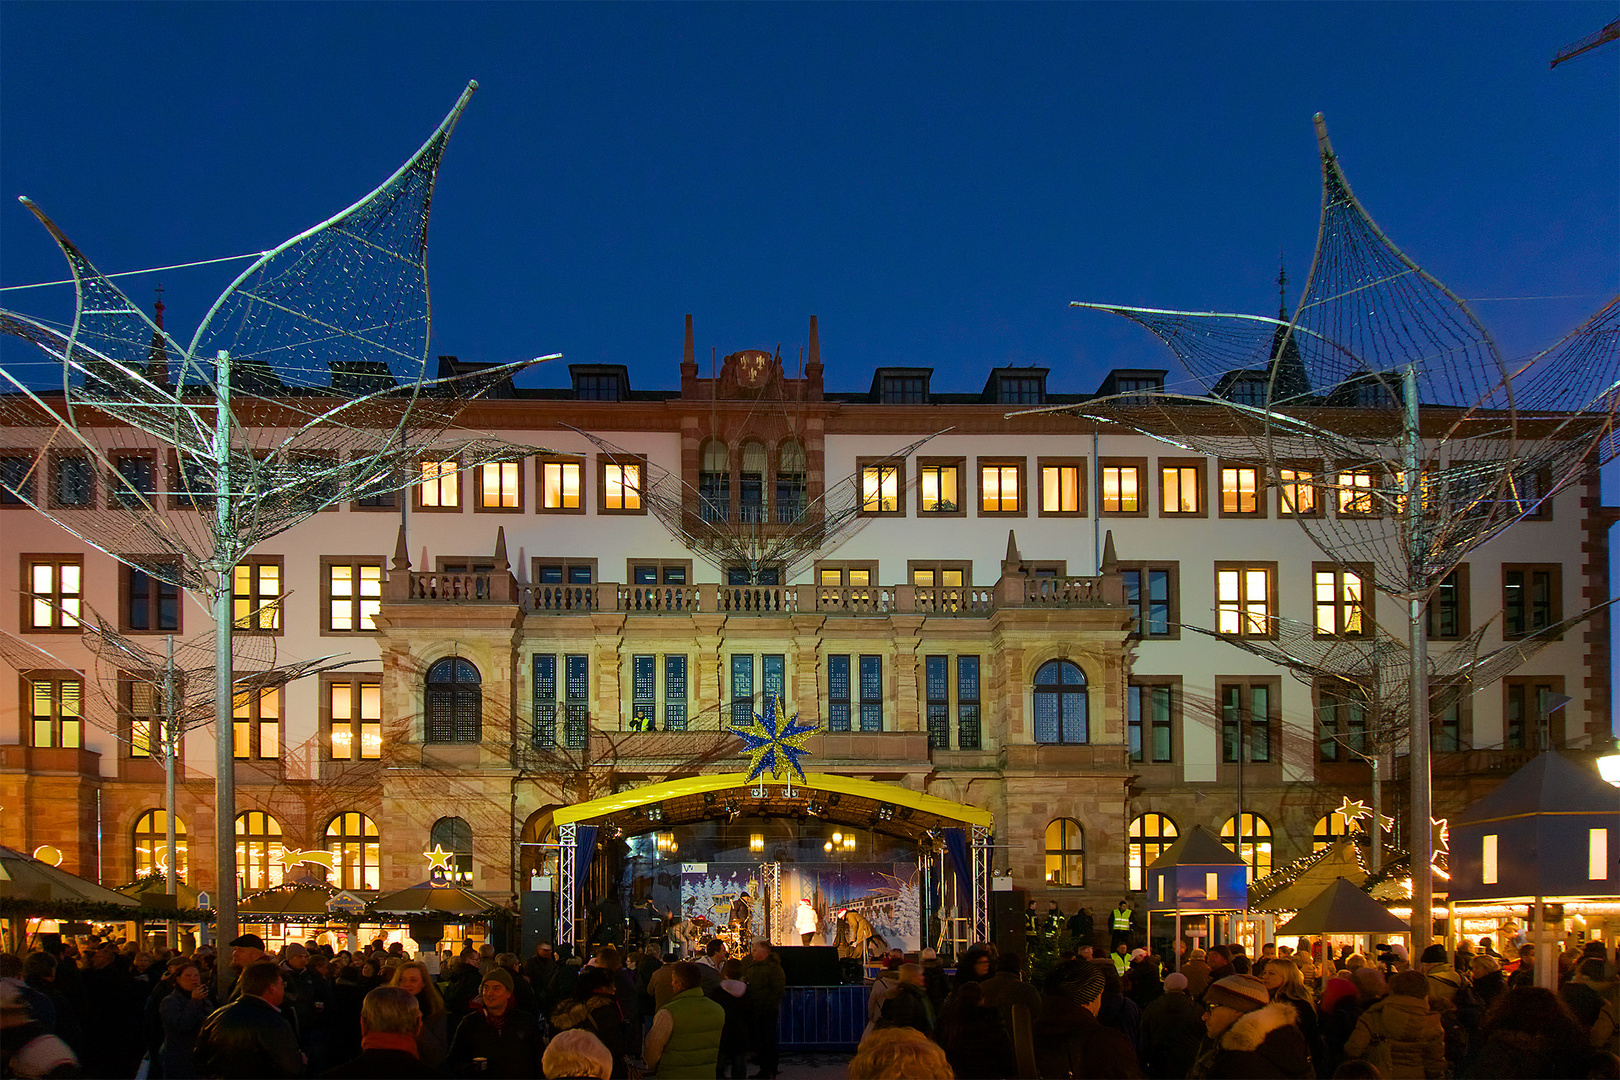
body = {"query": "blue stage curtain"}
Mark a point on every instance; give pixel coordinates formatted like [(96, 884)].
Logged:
[(956, 846), (584, 852)]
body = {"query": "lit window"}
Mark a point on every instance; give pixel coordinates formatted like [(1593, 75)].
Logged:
[(256, 723), (141, 694), (1181, 489), (1065, 853), (1062, 489), (1240, 489), (440, 485), (938, 489), (498, 485), (353, 596), (1330, 829), (560, 485), (1355, 489), (998, 488), (356, 852), (1243, 600), (1149, 835), (152, 844), (621, 487), (355, 708), (259, 849), (1253, 845), (880, 489), (256, 597), (1121, 489), (1341, 601), (1597, 854), (55, 592), (57, 712), (1487, 860), (1296, 493)]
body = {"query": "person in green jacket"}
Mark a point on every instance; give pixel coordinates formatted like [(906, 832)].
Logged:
[(685, 1038)]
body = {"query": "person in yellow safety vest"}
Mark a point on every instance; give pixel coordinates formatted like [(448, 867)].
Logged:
[(1120, 924), (1122, 962)]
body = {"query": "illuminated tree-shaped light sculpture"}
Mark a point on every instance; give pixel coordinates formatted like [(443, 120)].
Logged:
[(306, 385)]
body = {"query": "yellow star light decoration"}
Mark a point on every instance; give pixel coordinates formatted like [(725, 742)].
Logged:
[(1386, 822), (773, 742), (438, 858), (1351, 812), (1441, 834)]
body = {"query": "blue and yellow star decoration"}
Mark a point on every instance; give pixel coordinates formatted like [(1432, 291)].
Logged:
[(774, 742)]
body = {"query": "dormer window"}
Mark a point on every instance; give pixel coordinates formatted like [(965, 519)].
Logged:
[(905, 390), (597, 388), (607, 382), (1020, 390)]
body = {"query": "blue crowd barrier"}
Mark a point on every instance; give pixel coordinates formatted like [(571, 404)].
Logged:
[(823, 1017)]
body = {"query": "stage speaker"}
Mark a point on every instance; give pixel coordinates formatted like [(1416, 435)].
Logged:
[(539, 921), (810, 965), (1007, 919)]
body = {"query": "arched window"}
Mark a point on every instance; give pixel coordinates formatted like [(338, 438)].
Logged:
[(1254, 845), (1060, 703), (152, 844), (1150, 834), (751, 491), (454, 705), (714, 482), (454, 835), (1065, 852), (356, 852), (1330, 829), (258, 850), (791, 490)]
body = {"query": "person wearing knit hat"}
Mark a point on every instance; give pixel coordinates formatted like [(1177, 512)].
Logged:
[(1249, 1034), (506, 1038), (1172, 1030), (1435, 954), (1069, 1040)]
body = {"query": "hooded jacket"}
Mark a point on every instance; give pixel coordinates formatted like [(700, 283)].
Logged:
[(1402, 1036), (1262, 1043)]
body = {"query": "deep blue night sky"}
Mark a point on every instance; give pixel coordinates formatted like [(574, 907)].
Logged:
[(934, 182)]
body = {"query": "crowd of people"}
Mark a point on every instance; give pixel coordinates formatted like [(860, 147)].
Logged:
[(109, 1010), (1226, 1014)]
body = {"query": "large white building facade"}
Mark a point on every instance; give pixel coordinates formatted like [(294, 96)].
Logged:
[(1003, 624)]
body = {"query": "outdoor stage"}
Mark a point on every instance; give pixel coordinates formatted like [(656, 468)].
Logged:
[(881, 865)]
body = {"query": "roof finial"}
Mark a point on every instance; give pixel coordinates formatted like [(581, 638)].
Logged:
[(1282, 287), (158, 307)]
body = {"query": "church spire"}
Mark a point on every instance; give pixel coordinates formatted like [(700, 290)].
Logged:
[(157, 353), (1282, 287)]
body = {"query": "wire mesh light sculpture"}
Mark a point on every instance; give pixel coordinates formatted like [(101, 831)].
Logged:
[(306, 385), (1385, 397)]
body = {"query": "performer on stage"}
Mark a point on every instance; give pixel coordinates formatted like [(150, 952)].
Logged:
[(741, 914), (805, 921)]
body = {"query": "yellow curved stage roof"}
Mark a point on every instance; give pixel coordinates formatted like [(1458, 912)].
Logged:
[(892, 794)]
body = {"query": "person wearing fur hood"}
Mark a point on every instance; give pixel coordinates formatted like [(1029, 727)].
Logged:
[(1249, 1035), (1400, 1034)]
